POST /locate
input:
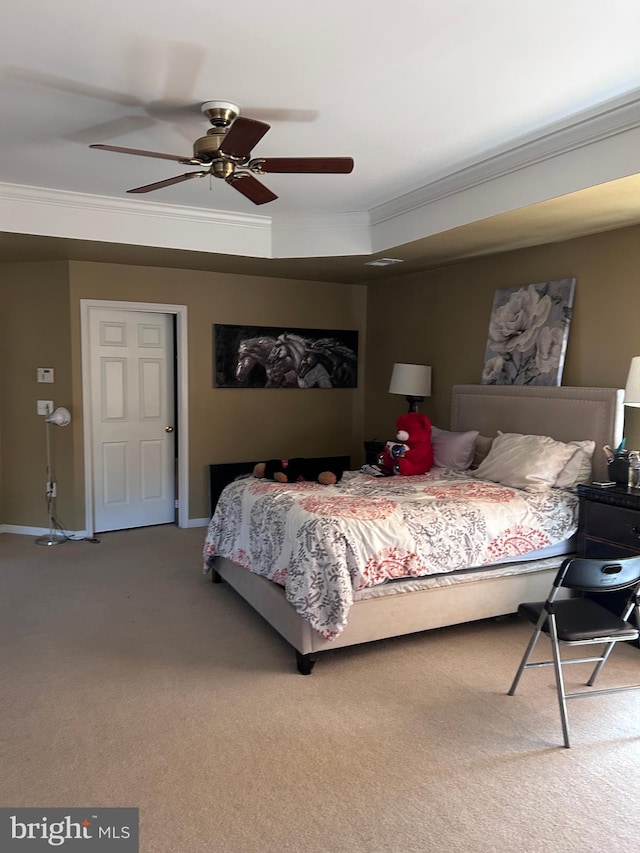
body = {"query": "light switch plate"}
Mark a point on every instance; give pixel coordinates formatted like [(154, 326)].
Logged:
[(45, 374), (45, 407)]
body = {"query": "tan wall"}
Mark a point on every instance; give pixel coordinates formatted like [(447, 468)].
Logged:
[(441, 318), (227, 425), (41, 328), (34, 332)]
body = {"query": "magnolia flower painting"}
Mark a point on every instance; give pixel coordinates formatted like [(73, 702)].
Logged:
[(528, 333)]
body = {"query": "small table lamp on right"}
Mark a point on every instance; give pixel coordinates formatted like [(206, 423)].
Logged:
[(632, 389), (414, 382)]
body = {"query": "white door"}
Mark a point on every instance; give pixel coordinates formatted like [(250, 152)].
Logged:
[(132, 418)]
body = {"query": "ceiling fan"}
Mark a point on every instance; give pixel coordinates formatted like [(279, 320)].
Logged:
[(226, 152)]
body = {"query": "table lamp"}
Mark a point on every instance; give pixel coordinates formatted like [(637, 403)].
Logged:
[(413, 381)]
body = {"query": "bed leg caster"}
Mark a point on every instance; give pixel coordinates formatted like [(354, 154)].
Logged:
[(305, 663), (215, 577)]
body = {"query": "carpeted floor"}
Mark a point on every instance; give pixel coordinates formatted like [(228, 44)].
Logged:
[(129, 679)]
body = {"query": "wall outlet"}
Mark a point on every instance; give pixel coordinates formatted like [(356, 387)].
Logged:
[(51, 490), (45, 407)]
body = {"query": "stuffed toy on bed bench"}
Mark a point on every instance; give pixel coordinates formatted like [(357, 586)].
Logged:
[(299, 469)]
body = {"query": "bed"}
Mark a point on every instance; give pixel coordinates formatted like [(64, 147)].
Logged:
[(341, 598)]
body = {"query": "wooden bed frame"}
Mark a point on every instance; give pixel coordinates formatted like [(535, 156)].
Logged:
[(566, 414)]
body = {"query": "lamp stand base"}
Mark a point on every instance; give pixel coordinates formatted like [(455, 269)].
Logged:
[(413, 402), (50, 539)]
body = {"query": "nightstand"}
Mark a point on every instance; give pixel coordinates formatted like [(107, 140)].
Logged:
[(372, 449), (609, 522), (609, 527)]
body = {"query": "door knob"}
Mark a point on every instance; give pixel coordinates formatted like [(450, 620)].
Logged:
[(168, 429)]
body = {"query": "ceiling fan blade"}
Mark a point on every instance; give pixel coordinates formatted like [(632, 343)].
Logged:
[(110, 129), (281, 113), (168, 182), (190, 161), (72, 87), (251, 188), (241, 137), (302, 165)]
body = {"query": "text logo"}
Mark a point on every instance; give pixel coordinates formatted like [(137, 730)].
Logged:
[(32, 830)]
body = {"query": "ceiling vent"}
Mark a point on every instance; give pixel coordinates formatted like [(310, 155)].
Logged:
[(384, 262)]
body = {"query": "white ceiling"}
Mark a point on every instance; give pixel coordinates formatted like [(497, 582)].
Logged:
[(443, 104)]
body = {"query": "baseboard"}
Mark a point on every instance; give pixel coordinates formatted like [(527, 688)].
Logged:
[(40, 531), (76, 534)]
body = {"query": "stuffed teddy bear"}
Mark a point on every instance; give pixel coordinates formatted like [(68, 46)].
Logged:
[(413, 452), (298, 470)]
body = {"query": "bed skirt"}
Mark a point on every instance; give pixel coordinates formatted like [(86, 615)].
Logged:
[(482, 594)]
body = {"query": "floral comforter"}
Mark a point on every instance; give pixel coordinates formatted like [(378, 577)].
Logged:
[(323, 543)]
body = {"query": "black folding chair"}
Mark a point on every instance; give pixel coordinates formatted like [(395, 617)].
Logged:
[(580, 621)]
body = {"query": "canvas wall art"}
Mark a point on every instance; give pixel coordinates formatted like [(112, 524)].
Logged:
[(275, 357), (528, 333)]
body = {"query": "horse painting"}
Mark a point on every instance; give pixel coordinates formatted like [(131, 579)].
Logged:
[(253, 354), (281, 365), (337, 362), (271, 357)]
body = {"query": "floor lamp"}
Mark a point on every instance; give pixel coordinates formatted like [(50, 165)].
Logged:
[(61, 417)]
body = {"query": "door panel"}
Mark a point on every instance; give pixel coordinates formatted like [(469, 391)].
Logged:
[(151, 470), (114, 391), (132, 403)]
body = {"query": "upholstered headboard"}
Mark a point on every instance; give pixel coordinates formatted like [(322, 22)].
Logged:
[(564, 413)]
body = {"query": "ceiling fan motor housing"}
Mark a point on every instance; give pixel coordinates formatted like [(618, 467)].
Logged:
[(206, 148)]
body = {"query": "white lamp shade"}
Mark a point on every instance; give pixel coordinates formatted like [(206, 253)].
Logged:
[(632, 389), (412, 380), (61, 417)]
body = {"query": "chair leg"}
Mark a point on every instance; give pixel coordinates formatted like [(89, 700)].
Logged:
[(600, 664), (557, 666), (631, 608), (527, 654)]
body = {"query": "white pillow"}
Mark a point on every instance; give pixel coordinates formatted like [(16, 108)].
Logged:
[(530, 462), (578, 468), (453, 449)]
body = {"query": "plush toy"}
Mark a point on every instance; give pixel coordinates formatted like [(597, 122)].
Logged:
[(413, 452), (298, 470)]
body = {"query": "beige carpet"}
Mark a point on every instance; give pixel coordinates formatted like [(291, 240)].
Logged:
[(129, 679)]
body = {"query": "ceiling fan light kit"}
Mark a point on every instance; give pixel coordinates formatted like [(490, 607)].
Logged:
[(226, 151)]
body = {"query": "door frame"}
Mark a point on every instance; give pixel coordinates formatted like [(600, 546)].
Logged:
[(181, 398)]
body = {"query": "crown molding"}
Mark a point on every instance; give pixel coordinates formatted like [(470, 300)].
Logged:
[(321, 235), (562, 137), (95, 203), (61, 213), (80, 216), (594, 146)]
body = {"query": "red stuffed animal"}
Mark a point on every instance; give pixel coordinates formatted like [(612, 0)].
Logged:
[(414, 452)]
